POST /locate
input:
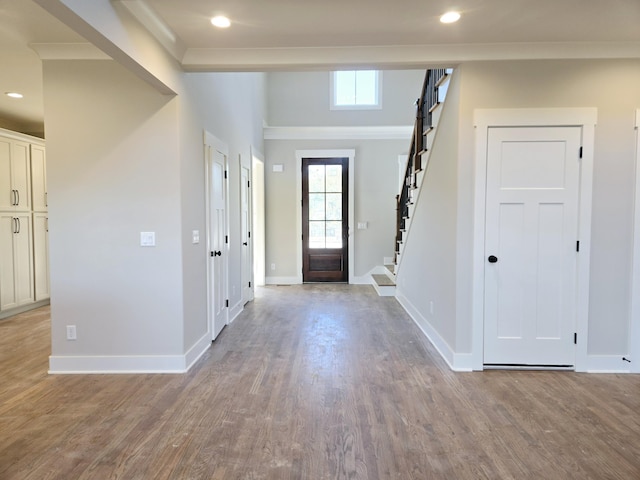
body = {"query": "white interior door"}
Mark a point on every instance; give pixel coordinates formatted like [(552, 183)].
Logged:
[(531, 235), (247, 246), (217, 240)]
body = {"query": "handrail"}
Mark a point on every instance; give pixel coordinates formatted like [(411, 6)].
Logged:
[(424, 123)]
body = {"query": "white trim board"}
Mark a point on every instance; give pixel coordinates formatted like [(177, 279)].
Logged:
[(396, 132), (351, 155), (634, 325), (485, 118), (128, 364), (458, 362)]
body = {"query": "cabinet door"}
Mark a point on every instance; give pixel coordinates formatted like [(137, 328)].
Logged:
[(23, 254), (7, 262), (21, 170), (38, 178), (7, 196), (41, 255)]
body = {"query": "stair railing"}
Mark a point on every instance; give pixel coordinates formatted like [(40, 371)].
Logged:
[(425, 106)]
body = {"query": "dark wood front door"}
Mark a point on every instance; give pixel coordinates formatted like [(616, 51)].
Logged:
[(325, 223)]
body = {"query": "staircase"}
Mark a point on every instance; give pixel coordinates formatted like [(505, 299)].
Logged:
[(428, 110)]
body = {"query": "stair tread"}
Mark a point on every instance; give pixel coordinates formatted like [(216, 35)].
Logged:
[(383, 280)]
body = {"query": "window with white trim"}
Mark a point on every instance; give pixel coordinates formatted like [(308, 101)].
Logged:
[(356, 89)]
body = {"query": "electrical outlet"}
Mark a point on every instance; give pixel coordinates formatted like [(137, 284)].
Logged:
[(273, 266), (71, 332)]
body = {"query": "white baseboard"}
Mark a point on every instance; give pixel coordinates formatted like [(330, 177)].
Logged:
[(458, 362), (129, 363), (607, 364), (282, 280), (235, 311)]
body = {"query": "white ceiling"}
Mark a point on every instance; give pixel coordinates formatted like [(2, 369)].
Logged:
[(333, 32)]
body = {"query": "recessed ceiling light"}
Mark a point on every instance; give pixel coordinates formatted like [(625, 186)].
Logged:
[(14, 94), (450, 17), (220, 21)]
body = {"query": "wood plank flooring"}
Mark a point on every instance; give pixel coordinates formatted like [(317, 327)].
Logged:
[(311, 382)]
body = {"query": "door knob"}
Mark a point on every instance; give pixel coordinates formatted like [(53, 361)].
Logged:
[(492, 259), (245, 243), (217, 253)]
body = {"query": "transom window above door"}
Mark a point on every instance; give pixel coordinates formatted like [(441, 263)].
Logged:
[(356, 89)]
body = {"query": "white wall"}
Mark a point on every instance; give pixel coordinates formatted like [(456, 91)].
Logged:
[(123, 157), (303, 98), (376, 184), (113, 172), (427, 271)]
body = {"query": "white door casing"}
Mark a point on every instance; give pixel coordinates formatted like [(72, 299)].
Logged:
[(258, 220), (484, 119), (217, 246), (634, 326), (530, 245)]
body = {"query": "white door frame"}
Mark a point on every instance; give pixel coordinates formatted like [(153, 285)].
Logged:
[(634, 325), (258, 216), (300, 154), (212, 142), (553, 117)]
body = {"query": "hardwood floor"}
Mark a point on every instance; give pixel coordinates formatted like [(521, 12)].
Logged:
[(311, 382)]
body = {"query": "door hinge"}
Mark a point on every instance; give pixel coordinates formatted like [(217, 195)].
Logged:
[(575, 338), (248, 183), (226, 303), (580, 154), (249, 234), (225, 174), (249, 284), (578, 246), (226, 239)]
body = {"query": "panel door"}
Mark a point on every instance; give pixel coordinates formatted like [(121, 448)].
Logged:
[(23, 254), (217, 236), (245, 234), (325, 225), (41, 255), (21, 171), (530, 239), (8, 228), (38, 178)]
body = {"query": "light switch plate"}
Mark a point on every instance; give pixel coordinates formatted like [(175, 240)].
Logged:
[(196, 236), (363, 225), (278, 168), (147, 239)]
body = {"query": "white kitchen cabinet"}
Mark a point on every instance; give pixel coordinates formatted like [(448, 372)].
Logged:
[(38, 178), (15, 175), (24, 237), (16, 260), (41, 255)]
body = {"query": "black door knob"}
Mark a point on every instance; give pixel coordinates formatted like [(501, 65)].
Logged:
[(245, 243), (217, 254), (492, 259)]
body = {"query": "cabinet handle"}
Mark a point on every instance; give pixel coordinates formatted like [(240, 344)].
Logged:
[(46, 224), (17, 197), (18, 223), (46, 199)]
